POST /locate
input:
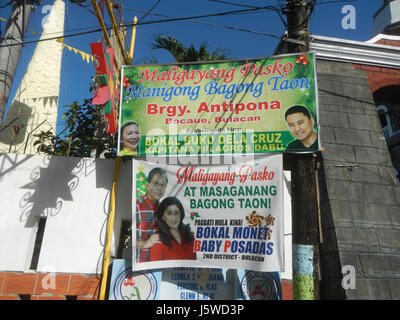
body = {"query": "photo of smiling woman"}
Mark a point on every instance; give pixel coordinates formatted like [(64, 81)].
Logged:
[(176, 238), (130, 138)]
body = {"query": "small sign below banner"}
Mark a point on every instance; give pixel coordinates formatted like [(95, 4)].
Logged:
[(128, 285), (198, 284), (192, 284), (256, 285)]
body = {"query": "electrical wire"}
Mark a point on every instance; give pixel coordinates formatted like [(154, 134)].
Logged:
[(307, 20), (85, 7), (219, 14), (210, 24), (276, 9), (249, 9), (149, 11), (6, 5), (233, 4), (335, 1)]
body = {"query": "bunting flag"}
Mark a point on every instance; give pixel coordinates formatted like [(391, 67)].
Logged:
[(85, 56), (33, 31), (46, 99)]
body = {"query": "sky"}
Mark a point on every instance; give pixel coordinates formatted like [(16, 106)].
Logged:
[(246, 35)]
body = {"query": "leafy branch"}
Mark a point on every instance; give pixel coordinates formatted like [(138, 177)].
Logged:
[(84, 134)]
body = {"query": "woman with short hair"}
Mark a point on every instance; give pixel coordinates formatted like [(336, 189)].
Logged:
[(130, 138)]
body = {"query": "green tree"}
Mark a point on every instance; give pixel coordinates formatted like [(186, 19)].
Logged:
[(186, 54), (83, 135)]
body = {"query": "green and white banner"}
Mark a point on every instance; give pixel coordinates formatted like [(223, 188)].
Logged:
[(232, 107)]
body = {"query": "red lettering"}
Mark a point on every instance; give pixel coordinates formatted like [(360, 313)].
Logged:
[(275, 105), (287, 70), (268, 68), (196, 246), (277, 67), (247, 68), (244, 172), (203, 108), (152, 108), (146, 76), (185, 175)]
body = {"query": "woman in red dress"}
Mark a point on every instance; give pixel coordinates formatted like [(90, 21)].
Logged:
[(176, 239)]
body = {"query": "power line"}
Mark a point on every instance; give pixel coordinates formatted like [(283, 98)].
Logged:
[(276, 9), (52, 38), (82, 6), (173, 19), (211, 24), (335, 1), (149, 11), (272, 8), (307, 21), (6, 5), (225, 13), (219, 14), (234, 4)]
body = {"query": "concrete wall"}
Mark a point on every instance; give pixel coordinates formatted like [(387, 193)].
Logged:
[(359, 193), (73, 194)]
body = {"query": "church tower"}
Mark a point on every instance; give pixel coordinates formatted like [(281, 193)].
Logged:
[(35, 105)]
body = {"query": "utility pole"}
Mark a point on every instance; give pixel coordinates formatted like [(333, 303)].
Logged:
[(297, 12), (303, 166), (305, 226), (127, 58), (11, 46)]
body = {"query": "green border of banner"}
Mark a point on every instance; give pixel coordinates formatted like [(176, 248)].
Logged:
[(251, 95)]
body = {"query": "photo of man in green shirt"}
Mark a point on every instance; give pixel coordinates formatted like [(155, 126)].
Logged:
[(301, 125)]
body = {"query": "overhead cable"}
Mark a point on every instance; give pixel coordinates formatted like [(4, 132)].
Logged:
[(146, 23), (149, 11), (211, 24)]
